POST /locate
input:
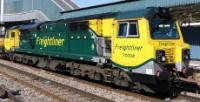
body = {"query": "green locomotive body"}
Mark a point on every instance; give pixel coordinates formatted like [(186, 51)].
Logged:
[(55, 39)]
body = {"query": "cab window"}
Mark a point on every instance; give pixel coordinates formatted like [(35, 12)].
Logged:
[(12, 34), (79, 26), (24, 35), (123, 29), (73, 27), (84, 26), (133, 29), (128, 29)]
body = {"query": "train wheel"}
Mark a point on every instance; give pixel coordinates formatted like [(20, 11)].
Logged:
[(9, 56), (13, 59), (77, 72), (125, 83), (97, 77), (42, 63), (30, 62), (16, 58), (174, 93), (117, 81), (122, 81), (71, 71), (24, 60)]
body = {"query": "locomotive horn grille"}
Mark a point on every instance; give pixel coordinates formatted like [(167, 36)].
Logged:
[(169, 53)]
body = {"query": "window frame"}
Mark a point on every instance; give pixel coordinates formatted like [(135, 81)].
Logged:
[(128, 28), (119, 29), (137, 32)]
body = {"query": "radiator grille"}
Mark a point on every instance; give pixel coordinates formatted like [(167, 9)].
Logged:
[(170, 55)]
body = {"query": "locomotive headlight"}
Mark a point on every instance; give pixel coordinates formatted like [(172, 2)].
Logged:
[(163, 59), (160, 56), (186, 54)]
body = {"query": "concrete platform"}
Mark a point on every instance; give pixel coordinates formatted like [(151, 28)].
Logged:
[(195, 64)]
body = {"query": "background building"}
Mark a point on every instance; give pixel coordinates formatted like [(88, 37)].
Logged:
[(41, 10)]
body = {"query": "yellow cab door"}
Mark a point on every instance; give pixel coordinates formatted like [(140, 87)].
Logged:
[(11, 40), (130, 43)]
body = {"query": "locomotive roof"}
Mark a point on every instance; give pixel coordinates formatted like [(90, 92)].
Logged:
[(148, 12), (97, 16), (29, 26), (14, 27), (26, 27)]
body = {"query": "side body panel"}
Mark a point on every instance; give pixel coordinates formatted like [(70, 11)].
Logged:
[(56, 40)]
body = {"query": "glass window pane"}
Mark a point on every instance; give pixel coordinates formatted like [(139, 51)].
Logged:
[(12, 35), (163, 29), (74, 27), (133, 29), (123, 29), (84, 26)]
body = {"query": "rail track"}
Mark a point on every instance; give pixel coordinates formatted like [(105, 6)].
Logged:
[(55, 90), (59, 94)]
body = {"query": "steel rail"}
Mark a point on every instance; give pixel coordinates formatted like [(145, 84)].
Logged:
[(83, 93), (128, 93), (102, 86)]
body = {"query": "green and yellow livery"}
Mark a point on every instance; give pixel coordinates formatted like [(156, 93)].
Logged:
[(143, 48)]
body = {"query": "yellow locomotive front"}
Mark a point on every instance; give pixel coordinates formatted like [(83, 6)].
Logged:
[(149, 46), (171, 50)]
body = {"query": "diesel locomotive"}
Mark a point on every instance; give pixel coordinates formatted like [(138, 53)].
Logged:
[(140, 49)]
